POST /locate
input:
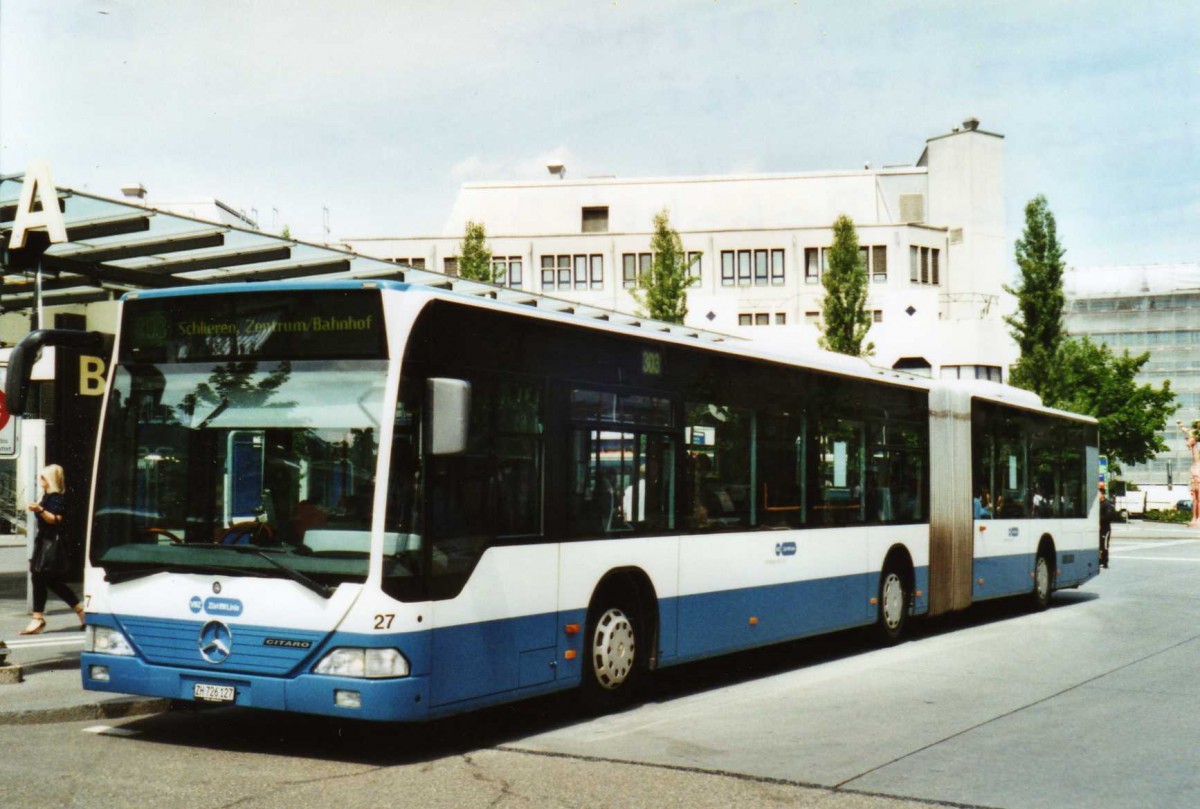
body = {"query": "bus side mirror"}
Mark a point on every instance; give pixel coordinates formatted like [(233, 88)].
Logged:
[(450, 411)]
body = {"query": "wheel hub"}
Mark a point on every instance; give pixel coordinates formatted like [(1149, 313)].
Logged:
[(613, 648), (893, 601)]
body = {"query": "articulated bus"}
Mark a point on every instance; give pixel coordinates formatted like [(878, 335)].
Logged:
[(380, 500)]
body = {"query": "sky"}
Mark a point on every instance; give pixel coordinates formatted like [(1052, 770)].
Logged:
[(378, 111)]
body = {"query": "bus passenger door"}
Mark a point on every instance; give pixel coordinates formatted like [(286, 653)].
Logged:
[(244, 475)]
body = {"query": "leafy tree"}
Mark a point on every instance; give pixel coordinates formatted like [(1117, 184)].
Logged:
[(662, 289), (1089, 378), (1077, 374), (1037, 326), (286, 233), (844, 311), (474, 256)]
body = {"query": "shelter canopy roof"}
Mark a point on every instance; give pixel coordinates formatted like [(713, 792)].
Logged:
[(115, 246)]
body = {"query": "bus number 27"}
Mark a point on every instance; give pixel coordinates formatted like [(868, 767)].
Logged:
[(384, 621)]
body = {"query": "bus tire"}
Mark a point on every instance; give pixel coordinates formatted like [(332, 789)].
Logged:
[(1043, 581), (894, 599), (614, 664)]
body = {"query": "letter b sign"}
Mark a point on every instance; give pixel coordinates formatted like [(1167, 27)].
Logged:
[(91, 376)]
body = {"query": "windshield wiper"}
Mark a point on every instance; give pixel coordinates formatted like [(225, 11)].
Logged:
[(324, 591), (218, 410), (128, 574)]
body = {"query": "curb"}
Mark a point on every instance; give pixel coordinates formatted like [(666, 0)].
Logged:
[(112, 709)]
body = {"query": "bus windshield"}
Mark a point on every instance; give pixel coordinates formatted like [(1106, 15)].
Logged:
[(263, 468)]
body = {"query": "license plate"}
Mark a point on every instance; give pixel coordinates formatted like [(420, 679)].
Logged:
[(214, 693)]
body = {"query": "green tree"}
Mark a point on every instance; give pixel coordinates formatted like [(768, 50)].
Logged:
[(661, 292), (844, 308), (474, 255), (1077, 374), (1089, 378), (1037, 325)]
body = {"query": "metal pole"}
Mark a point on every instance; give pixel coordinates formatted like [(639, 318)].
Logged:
[(37, 296)]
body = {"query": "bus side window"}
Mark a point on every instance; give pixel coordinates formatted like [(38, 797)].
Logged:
[(781, 441), (719, 448)]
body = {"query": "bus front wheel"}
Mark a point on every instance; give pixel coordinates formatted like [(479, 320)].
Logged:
[(613, 666)]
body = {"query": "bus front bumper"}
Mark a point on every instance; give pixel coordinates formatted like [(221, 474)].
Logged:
[(391, 700)]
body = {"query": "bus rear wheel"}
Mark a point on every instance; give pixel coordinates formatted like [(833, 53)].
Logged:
[(1043, 582), (893, 607), (613, 669)]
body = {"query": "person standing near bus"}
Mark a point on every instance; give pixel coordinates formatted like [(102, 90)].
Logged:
[(1194, 483), (49, 565), (1107, 512)]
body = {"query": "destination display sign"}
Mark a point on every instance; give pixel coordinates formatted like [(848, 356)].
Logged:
[(296, 324)]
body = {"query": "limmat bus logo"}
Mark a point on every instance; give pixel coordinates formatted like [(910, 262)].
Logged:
[(223, 606)]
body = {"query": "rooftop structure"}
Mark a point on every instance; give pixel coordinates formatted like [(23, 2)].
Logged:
[(932, 235)]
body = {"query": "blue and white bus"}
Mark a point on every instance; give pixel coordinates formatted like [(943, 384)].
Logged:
[(371, 499)]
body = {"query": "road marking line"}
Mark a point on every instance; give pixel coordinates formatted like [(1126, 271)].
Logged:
[(106, 730), (1160, 558), (1151, 544), (29, 643)]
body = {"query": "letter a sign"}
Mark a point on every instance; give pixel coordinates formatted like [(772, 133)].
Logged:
[(38, 186)]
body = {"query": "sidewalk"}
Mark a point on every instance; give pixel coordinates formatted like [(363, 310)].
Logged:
[(50, 690)]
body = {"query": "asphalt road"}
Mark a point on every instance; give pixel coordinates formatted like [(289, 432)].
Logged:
[(1089, 704)]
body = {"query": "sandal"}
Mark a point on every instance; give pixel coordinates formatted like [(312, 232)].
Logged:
[(35, 627)]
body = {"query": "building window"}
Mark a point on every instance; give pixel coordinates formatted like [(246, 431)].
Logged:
[(727, 272), (813, 318), (757, 267), (693, 260), (988, 372), (924, 265), (814, 264), (874, 259), (508, 270), (762, 318), (573, 272), (415, 263), (632, 267), (450, 265), (595, 220), (877, 316)]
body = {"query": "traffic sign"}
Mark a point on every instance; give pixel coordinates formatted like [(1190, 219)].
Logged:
[(8, 430)]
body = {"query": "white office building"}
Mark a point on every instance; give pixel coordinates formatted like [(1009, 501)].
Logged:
[(1151, 308), (932, 235)]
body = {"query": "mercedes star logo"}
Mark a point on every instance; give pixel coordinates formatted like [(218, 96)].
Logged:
[(216, 642)]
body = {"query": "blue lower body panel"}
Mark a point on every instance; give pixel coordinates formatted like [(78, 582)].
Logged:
[(1013, 575), (382, 700), (524, 656)]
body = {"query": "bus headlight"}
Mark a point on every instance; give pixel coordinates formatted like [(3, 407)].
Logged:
[(372, 664), (106, 640)]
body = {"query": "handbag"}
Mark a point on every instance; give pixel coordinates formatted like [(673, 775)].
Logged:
[(48, 556)]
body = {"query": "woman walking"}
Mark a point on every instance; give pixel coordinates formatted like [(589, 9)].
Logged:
[(49, 565)]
